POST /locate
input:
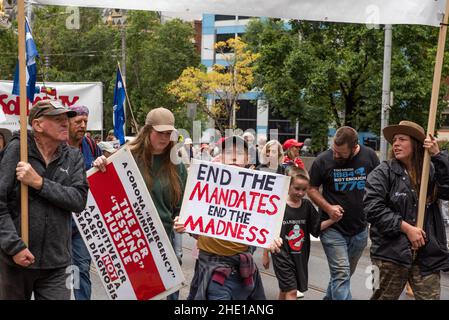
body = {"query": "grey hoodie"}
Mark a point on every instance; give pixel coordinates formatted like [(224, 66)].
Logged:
[(64, 191)]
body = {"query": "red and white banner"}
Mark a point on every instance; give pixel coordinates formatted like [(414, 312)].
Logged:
[(88, 94), (125, 236), (233, 203)]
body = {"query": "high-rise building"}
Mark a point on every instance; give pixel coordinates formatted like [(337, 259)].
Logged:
[(253, 112)]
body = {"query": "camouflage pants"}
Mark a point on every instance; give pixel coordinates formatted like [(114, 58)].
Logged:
[(393, 277)]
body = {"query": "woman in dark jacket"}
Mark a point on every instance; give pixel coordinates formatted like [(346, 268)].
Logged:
[(391, 204)]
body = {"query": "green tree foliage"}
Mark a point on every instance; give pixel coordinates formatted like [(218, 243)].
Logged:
[(330, 74), (8, 43), (414, 51), (223, 82), (156, 54)]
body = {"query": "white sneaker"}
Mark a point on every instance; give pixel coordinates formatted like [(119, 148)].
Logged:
[(299, 294)]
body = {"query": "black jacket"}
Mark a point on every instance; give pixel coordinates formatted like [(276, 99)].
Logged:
[(390, 199), (64, 191)]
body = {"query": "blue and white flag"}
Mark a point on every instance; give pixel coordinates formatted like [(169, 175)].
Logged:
[(119, 111), (31, 70)]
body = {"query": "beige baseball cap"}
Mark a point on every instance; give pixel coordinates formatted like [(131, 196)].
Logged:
[(161, 119)]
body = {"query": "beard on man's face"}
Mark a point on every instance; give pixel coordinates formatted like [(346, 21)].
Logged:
[(342, 161), (77, 135)]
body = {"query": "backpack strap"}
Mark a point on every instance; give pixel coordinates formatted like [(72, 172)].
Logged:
[(91, 145)]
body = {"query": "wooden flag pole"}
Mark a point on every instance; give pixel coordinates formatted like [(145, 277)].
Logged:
[(432, 117), (134, 122), (23, 118)]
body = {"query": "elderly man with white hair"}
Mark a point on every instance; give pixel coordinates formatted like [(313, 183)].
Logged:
[(57, 186)]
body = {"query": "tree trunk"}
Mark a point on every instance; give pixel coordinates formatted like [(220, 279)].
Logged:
[(334, 110)]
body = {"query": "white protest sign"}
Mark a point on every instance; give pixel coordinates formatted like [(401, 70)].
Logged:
[(125, 236), (89, 94), (233, 203)]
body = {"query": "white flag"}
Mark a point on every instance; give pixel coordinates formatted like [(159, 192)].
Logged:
[(424, 12)]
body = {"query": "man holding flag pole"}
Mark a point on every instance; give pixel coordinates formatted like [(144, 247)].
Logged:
[(35, 262), (56, 178)]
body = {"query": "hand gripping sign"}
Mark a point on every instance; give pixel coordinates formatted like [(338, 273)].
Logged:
[(235, 204), (125, 236)]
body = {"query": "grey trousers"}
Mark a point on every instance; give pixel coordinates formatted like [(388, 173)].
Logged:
[(17, 283)]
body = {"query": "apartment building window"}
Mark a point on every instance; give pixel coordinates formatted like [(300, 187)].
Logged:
[(224, 37), (246, 115), (222, 17), (286, 128)]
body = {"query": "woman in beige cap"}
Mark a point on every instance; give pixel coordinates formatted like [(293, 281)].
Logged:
[(401, 251), (165, 180)]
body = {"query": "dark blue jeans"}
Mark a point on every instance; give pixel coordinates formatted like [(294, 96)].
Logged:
[(81, 259), (176, 241), (343, 254), (232, 289)]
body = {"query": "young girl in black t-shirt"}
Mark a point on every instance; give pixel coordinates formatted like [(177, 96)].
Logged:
[(300, 220)]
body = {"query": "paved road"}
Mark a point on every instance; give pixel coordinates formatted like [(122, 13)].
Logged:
[(318, 276)]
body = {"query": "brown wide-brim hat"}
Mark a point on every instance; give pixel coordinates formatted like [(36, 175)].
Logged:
[(405, 127)]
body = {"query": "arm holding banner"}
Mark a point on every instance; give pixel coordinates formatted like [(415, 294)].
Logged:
[(179, 227), (72, 198), (100, 163), (274, 246), (183, 178)]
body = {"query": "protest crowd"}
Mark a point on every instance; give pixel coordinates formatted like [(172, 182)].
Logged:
[(345, 198), (75, 200)]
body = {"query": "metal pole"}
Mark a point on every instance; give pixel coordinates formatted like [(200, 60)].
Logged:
[(133, 120), (234, 104), (385, 112)]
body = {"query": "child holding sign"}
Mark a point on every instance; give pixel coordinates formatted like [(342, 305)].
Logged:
[(300, 220), (225, 269)]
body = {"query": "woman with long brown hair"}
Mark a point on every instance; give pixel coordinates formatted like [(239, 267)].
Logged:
[(153, 149), (401, 251)]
